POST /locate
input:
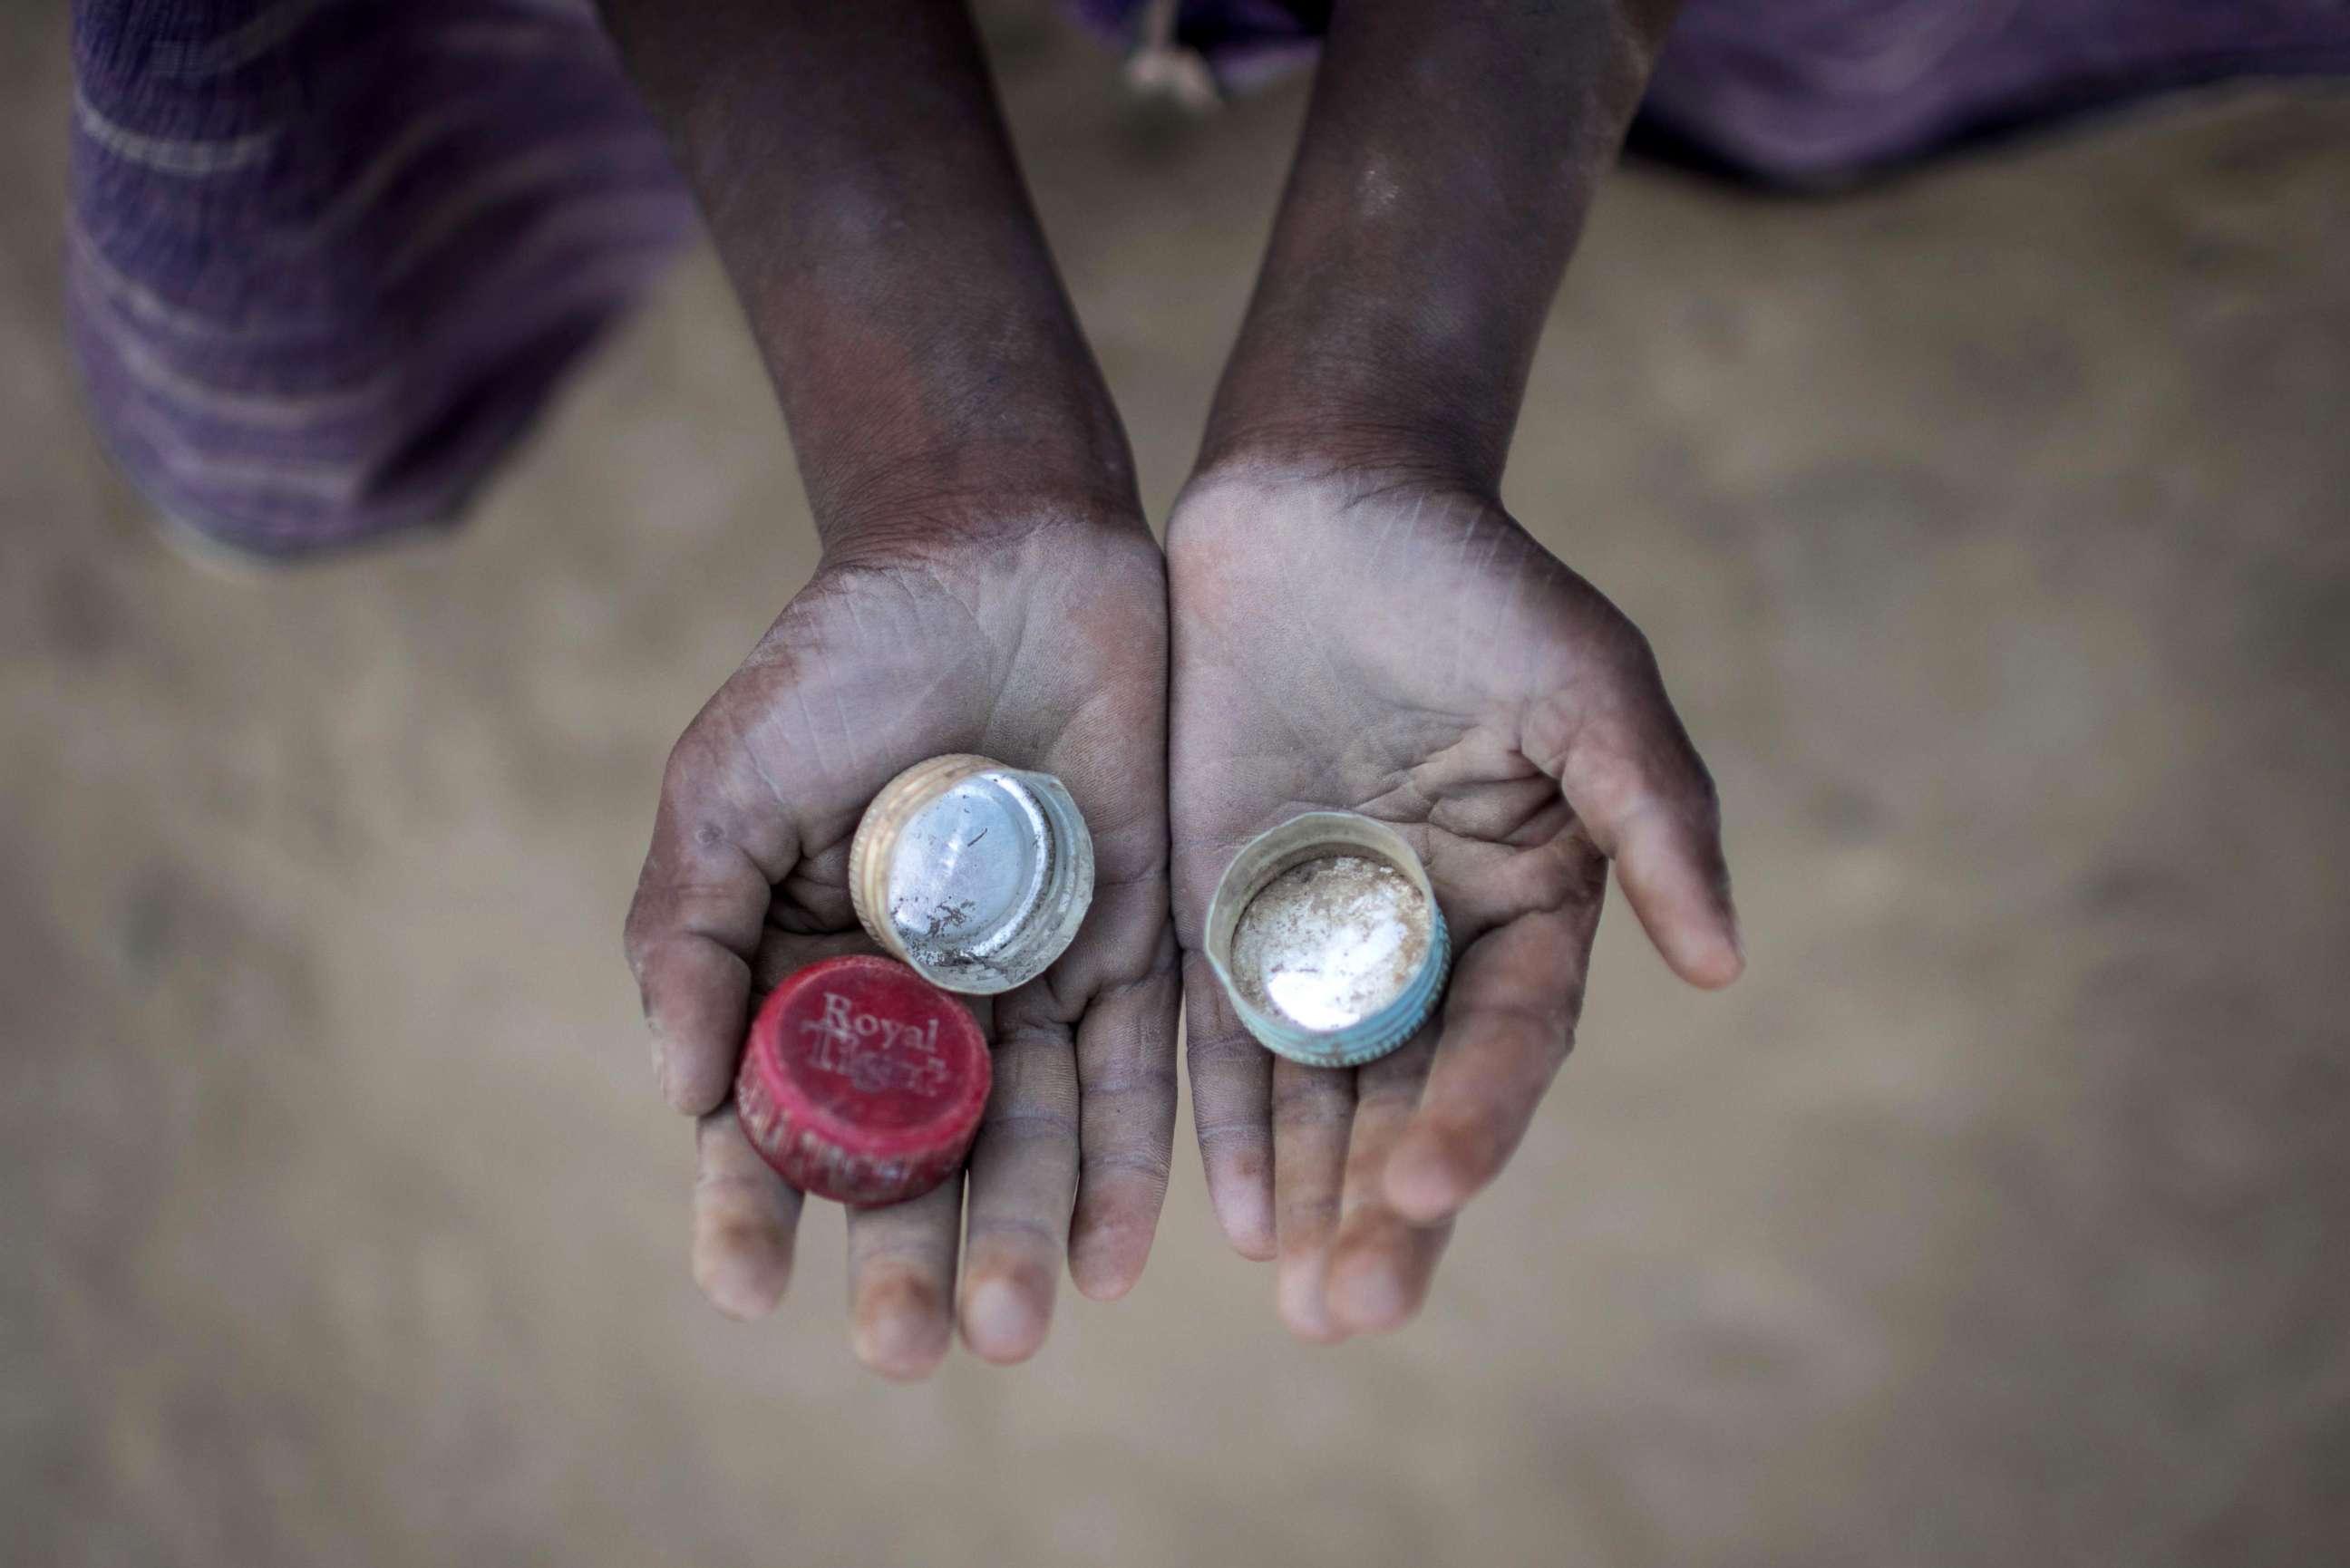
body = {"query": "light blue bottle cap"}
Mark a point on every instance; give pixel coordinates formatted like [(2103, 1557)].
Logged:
[(1328, 936)]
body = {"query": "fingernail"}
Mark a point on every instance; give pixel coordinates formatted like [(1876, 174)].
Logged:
[(743, 1280), (1001, 1321), (1714, 974), (1241, 1194), (898, 1327), (1104, 1266), (1368, 1297), (1298, 1296), (1420, 1182)]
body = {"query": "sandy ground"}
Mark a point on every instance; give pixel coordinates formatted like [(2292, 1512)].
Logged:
[(1992, 527)]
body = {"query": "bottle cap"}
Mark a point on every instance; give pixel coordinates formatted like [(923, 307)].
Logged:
[(1326, 935), (861, 1081), (976, 874)]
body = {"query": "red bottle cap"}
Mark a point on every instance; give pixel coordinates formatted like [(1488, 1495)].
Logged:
[(862, 1081)]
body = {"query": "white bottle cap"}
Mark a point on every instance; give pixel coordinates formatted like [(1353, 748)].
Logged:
[(976, 874)]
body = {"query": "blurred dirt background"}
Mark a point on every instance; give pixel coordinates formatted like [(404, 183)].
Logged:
[(1992, 527)]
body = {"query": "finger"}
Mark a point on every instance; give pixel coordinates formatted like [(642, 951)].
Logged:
[(696, 920), (744, 1219), (1023, 1174), (1628, 770), (1381, 1262), (696, 988), (901, 1269), (1509, 1022), (1231, 1105), (1312, 1108), (1126, 1132), (783, 954)]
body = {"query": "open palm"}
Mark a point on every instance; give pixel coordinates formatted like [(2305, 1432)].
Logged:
[(1389, 646), (1042, 645)]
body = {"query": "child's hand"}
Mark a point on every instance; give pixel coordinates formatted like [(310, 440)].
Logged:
[(1041, 643), (1367, 643), (988, 586)]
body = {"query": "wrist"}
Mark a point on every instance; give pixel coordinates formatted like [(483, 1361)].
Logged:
[(865, 199), (1424, 229), (910, 524), (1350, 401), (1386, 435), (1404, 340), (958, 483)]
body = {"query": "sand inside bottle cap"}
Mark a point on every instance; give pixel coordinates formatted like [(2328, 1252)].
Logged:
[(1328, 943)]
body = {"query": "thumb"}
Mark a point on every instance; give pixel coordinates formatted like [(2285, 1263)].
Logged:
[(1628, 768)]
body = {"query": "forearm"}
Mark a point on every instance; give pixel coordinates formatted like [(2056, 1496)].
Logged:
[(1448, 161), (858, 182)]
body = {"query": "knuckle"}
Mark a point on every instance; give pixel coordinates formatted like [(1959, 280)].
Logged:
[(1248, 1131), (1020, 1243), (1634, 653), (1028, 1124), (686, 757), (1030, 1035), (640, 932), (1220, 1046), (1615, 640), (632, 947), (1149, 1161), (1152, 1085)]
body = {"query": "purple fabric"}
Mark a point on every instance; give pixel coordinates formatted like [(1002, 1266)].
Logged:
[(328, 257), (1806, 92), (1809, 92), (326, 260)]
